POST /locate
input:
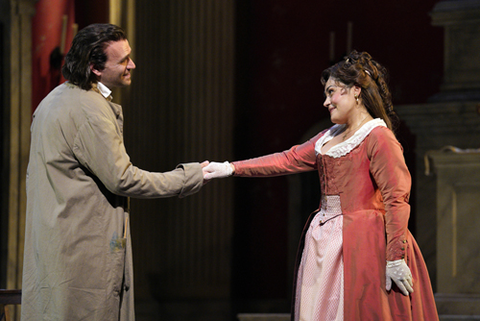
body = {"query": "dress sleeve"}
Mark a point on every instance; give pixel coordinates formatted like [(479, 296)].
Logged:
[(99, 147), (299, 158), (388, 168)]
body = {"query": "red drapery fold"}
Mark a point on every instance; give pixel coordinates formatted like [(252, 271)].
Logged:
[(53, 28)]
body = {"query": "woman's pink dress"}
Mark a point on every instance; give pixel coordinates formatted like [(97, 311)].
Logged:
[(362, 222)]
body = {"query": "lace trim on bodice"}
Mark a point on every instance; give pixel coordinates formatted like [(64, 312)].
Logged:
[(347, 146)]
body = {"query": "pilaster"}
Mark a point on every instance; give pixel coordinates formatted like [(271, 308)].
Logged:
[(461, 22), (16, 93), (458, 241)]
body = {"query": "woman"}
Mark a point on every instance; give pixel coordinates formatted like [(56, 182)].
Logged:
[(357, 243)]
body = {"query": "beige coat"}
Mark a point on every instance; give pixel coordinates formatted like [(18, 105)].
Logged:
[(78, 259)]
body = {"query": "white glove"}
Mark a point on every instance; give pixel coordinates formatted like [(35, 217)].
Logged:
[(399, 272), (217, 170)]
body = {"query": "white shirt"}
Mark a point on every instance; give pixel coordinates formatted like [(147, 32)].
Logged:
[(104, 90)]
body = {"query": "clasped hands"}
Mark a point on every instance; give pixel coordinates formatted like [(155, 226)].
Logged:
[(216, 170)]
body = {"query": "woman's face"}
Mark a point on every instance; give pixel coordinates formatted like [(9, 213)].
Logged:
[(340, 101)]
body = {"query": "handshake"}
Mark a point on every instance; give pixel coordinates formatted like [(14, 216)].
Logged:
[(217, 170)]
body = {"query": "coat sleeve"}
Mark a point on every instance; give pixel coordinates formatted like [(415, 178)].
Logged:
[(388, 168), (99, 147), (299, 158)]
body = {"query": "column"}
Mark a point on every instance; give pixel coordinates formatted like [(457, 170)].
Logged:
[(458, 241)]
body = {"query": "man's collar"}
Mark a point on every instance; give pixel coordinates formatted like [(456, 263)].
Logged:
[(104, 90)]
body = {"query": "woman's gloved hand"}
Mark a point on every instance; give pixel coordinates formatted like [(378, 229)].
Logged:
[(217, 170), (399, 272)]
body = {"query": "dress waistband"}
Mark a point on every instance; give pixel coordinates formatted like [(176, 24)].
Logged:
[(331, 204), (330, 208)]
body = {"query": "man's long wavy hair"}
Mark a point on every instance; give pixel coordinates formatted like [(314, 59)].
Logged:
[(88, 48)]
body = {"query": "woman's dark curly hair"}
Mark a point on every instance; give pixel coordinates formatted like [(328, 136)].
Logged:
[(88, 48), (361, 70)]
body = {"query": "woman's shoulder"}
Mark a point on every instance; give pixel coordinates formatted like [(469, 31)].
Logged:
[(382, 138), (381, 133)]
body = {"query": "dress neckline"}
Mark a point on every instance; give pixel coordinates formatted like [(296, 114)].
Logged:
[(345, 147)]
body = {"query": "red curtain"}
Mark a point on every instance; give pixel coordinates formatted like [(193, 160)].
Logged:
[(53, 28)]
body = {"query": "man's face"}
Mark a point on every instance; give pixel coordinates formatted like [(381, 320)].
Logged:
[(118, 65)]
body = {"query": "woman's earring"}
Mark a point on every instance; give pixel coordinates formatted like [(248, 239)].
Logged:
[(356, 98)]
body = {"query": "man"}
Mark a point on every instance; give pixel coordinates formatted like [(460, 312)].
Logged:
[(78, 260)]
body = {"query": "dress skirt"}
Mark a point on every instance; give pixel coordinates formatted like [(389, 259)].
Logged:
[(320, 283)]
